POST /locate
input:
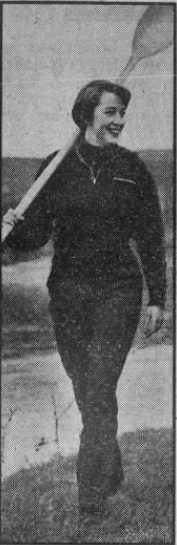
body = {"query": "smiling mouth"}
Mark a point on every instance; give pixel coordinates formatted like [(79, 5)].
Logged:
[(115, 131)]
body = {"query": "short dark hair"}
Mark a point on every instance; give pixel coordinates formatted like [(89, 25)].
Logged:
[(89, 98)]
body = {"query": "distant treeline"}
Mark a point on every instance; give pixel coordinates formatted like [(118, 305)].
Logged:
[(18, 174)]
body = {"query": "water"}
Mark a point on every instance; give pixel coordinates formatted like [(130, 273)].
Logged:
[(32, 385)]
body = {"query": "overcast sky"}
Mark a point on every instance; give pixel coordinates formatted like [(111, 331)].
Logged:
[(51, 51)]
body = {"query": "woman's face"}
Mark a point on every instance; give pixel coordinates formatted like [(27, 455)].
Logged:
[(107, 122)]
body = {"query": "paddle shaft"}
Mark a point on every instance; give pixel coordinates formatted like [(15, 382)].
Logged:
[(38, 185), (154, 32)]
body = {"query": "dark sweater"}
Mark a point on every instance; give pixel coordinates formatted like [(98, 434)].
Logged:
[(97, 200)]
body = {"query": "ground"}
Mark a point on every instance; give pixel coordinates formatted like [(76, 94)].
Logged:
[(41, 424)]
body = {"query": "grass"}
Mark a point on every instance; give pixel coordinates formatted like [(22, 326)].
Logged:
[(40, 505)]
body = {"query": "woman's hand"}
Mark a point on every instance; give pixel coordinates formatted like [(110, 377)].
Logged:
[(154, 320), (11, 218)]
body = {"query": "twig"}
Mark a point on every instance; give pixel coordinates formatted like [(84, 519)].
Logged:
[(56, 418), (10, 418), (66, 409), (28, 462), (4, 428)]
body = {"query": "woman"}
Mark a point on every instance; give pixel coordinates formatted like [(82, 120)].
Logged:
[(99, 198)]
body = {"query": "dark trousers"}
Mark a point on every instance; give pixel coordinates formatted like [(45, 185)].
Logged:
[(94, 327)]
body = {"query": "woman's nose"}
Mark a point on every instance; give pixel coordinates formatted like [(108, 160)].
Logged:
[(118, 119)]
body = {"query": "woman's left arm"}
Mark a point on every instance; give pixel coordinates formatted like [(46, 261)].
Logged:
[(151, 246)]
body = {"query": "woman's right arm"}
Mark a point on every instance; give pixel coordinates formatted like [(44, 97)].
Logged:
[(34, 230)]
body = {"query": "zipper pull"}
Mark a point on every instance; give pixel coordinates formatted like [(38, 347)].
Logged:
[(93, 177)]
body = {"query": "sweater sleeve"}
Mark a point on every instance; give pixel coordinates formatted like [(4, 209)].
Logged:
[(150, 238), (36, 229)]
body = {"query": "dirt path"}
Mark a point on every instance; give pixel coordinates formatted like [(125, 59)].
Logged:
[(33, 387)]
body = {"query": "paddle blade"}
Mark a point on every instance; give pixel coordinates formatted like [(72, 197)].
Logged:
[(154, 31)]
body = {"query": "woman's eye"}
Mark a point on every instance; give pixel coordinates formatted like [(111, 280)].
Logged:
[(110, 112), (113, 112)]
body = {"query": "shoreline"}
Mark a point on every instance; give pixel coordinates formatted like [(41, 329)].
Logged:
[(32, 384)]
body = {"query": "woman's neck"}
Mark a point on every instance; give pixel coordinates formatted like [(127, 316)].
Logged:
[(92, 139)]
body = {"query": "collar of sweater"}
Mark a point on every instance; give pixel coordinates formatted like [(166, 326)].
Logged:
[(95, 154)]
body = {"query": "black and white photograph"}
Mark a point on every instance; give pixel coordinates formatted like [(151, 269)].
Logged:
[(88, 272)]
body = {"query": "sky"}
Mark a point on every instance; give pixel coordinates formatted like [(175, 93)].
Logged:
[(51, 51)]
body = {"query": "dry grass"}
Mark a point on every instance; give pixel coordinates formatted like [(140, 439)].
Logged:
[(39, 505)]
